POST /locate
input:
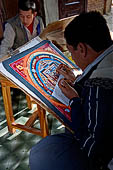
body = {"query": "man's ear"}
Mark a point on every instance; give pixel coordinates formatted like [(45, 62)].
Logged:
[(70, 48), (81, 47), (35, 14)]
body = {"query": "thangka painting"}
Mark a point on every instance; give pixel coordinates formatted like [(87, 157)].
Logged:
[(35, 69)]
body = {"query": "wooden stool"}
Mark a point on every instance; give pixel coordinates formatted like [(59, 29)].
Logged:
[(39, 113)]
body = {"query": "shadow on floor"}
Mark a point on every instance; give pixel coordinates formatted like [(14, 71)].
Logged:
[(14, 148)]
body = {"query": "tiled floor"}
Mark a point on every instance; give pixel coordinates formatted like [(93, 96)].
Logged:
[(14, 149)]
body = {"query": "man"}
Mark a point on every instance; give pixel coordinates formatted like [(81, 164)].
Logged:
[(91, 101), (21, 28)]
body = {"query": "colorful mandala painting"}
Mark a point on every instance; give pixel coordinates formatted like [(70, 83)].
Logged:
[(36, 69)]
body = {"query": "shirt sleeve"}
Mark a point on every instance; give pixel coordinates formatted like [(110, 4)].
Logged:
[(91, 118), (84, 119), (78, 118), (8, 40)]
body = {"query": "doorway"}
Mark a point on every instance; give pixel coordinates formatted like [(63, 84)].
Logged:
[(68, 8)]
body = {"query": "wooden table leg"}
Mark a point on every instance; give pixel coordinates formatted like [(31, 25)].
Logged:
[(39, 113), (29, 102), (43, 121), (8, 106)]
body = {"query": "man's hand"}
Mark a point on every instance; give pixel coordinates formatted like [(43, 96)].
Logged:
[(68, 91), (66, 72)]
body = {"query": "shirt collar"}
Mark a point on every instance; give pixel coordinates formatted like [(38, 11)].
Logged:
[(96, 61)]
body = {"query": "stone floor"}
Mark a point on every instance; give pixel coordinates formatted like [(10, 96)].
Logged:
[(14, 149)]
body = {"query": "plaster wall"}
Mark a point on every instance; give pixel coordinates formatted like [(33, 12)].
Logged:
[(51, 11), (103, 6)]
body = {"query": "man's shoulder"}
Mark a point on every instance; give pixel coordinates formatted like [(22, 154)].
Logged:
[(106, 83), (13, 20), (38, 17)]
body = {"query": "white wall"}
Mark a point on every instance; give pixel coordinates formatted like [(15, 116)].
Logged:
[(51, 10)]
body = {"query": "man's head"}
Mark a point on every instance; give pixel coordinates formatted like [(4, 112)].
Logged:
[(27, 11), (87, 35)]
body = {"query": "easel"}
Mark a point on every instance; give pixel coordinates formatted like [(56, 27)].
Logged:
[(39, 113), (50, 32)]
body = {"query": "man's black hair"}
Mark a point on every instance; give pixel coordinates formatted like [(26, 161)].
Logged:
[(90, 28), (26, 5)]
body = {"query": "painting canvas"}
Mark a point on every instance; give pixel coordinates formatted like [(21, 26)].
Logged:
[(34, 71)]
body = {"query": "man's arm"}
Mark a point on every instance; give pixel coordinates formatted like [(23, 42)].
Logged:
[(89, 115), (8, 40), (92, 120)]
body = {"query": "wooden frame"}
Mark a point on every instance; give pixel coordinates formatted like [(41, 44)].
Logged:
[(38, 113)]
